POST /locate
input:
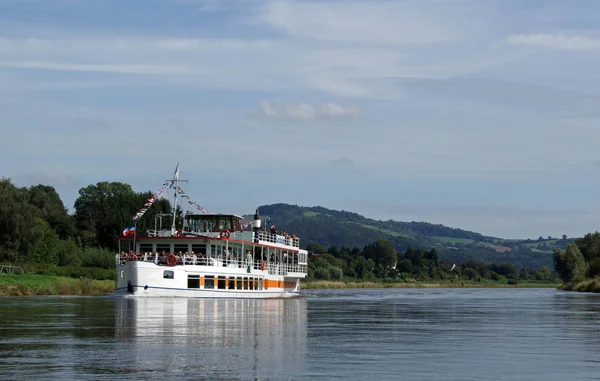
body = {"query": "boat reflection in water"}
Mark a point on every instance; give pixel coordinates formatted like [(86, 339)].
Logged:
[(258, 338)]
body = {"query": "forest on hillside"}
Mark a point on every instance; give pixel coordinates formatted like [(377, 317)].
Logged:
[(341, 228)]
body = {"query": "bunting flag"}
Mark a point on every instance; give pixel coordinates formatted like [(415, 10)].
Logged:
[(168, 184), (151, 200), (192, 203)]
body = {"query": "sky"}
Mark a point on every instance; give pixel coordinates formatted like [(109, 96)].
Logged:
[(476, 114)]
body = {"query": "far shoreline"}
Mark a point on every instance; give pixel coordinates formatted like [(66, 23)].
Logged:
[(332, 285), (39, 285)]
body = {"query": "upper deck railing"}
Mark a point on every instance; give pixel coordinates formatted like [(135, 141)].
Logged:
[(263, 236)]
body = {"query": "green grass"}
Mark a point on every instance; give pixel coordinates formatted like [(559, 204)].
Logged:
[(551, 242), (309, 213), (453, 240), (385, 231), (27, 284)]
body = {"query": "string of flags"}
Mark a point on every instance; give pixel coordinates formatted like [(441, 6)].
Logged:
[(152, 199), (192, 203), (156, 195)]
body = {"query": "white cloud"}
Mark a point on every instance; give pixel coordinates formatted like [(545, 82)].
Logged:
[(556, 41), (337, 111), (378, 22), (305, 111)]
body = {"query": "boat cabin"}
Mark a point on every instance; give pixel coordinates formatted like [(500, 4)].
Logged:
[(207, 223)]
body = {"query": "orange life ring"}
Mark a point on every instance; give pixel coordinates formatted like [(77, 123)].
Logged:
[(132, 257), (224, 234), (171, 260), (262, 265)]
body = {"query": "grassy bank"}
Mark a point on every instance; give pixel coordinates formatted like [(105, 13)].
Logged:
[(433, 284), (588, 285), (23, 285)]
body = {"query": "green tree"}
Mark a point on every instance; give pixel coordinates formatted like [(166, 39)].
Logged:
[(589, 246), (315, 248), (544, 274), (104, 209), (18, 234), (52, 210), (569, 264)]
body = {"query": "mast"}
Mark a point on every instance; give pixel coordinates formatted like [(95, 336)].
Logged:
[(176, 183)]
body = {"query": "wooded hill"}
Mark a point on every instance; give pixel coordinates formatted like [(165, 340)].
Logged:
[(346, 229)]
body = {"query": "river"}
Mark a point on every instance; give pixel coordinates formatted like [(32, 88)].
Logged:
[(358, 334)]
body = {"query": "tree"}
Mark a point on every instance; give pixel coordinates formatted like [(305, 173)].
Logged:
[(52, 210), (589, 246), (569, 264), (104, 209), (18, 234), (315, 248), (544, 274)]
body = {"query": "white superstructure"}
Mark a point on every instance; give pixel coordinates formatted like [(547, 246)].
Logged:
[(212, 256)]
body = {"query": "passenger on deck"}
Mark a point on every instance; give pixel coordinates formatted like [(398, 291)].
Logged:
[(273, 231)]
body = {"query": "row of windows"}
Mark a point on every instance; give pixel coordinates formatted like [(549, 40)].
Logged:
[(221, 282)]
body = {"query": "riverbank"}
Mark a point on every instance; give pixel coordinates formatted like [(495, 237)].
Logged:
[(432, 284), (588, 285), (26, 285)]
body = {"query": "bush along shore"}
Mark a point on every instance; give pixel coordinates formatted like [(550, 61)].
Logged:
[(587, 285), (319, 284), (578, 266), (26, 285)]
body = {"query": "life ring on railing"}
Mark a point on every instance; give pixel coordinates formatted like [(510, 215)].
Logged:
[(171, 260), (262, 265), (224, 234), (132, 257)]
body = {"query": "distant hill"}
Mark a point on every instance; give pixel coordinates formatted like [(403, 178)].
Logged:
[(346, 229)]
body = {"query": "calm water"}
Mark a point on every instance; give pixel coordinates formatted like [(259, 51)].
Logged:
[(426, 334)]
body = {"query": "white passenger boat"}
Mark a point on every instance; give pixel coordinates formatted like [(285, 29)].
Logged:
[(209, 256)]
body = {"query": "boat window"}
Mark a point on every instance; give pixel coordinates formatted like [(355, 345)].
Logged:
[(182, 248), (209, 281), (239, 283), (193, 281), (255, 283), (146, 248), (260, 284), (199, 249), (231, 285), (246, 281), (162, 247), (168, 274), (221, 282), (225, 224)]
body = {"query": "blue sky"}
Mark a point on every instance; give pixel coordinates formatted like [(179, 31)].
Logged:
[(478, 114)]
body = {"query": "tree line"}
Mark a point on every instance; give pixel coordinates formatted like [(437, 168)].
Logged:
[(36, 228), (580, 259), (379, 260)]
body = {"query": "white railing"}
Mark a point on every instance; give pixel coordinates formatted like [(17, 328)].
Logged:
[(277, 238), (272, 268)]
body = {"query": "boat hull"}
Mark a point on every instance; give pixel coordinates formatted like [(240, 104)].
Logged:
[(147, 279)]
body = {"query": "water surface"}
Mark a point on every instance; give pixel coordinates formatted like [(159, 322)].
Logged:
[(387, 334)]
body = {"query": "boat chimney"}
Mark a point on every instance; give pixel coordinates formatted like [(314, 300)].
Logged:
[(256, 223)]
